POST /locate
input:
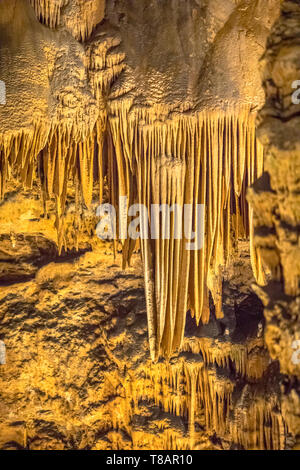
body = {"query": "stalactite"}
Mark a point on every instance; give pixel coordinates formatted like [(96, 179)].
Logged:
[(80, 20), (105, 65), (48, 11), (259, 425), (250, 359), (187, 386), (56, 157), (207, 158), (18, 154), (197, 159)]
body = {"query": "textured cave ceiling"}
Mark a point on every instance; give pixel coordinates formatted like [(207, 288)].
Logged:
[(147, 345)]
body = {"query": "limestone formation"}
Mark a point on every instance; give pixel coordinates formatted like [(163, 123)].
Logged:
[(146, 344)]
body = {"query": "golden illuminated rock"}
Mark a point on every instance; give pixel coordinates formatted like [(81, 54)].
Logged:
[(147, 344)]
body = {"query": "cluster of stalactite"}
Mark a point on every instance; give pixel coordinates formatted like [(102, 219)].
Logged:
[(48, 11), (64, 159), (201, 394), (208, 158), (80, 21), (190, 388), (19, 152), (56, 158), (250, 359), (155, 156), (105, 64)]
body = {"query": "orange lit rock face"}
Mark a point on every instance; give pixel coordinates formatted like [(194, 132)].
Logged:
[(156, 101)]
